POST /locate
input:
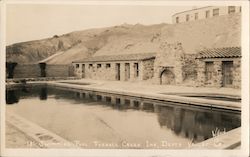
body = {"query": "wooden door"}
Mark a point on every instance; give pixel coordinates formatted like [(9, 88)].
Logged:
[(227, 73), (117, 69)]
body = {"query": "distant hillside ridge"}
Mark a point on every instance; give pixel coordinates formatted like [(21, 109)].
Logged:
[(221, 31)]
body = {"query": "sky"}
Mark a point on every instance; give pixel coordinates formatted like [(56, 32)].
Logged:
[(25, 22)]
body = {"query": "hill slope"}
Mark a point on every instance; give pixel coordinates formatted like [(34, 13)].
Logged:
[(221, 31)]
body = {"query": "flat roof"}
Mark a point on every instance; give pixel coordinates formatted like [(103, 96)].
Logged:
[(191, 10), (122, 57)]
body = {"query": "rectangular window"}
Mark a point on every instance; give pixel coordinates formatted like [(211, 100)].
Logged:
[(77, 65), (196, 16), (209, 68), (187, 17), (108, 65), (207, 14), (231, 9), (99, 65), (136, 67), (216, 12), (90, 65), (177, 19)]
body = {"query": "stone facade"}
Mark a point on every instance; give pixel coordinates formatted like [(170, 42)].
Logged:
[(129, 70), (148, 69), (217, 75), (169, 63)]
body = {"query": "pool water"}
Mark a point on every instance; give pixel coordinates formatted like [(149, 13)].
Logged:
[(102, 120)]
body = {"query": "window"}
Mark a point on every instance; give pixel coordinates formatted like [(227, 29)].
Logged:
[(196, 16), (99, 65), (77, 65), (187, 17), (216, 12), (136, 67), (231, 9), (207, 14), (108, 65), (90, 65), (209, 68), (177, 19)]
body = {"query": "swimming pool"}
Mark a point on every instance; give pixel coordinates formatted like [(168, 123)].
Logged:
[(103, 120)]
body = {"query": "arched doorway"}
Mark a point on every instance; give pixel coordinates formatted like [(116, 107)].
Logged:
[(167, 77)]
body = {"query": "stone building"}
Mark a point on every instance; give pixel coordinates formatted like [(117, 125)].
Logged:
[(219, 67), (169, 63), (127, 67), (204, 13)]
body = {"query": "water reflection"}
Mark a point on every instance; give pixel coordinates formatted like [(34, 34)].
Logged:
[(11, 97), (193, 123), (196, 124), (43, 93)]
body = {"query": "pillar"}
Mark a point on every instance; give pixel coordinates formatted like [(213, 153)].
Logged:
[(200, 73), (217, 75)]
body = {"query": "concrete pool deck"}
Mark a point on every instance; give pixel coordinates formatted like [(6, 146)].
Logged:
[(160, 92)]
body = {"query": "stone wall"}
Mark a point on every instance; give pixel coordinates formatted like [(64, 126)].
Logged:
[(27, 71), (104, 72), (57, 70), (171, 57), (189, 69), (148, 69), (34, 71), (237, 73), (217, 76)]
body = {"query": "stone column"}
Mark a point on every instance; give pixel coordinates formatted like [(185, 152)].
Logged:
[(113, 100), (200, 73), (217, 75), (122, 101), (141, 105), (141, 70), (132, 71), (237, 73), (122, 71)]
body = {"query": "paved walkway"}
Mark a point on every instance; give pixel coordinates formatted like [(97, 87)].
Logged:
[(144, 86), (158, 92)]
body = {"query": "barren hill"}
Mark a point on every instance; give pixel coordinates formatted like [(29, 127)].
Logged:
[(221, 31)]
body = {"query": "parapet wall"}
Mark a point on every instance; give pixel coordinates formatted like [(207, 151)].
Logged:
[(34, 71)]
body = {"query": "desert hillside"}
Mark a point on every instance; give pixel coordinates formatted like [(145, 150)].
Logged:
[(221, 31)]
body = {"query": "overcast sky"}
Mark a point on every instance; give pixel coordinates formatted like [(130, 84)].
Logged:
[(36, 21)]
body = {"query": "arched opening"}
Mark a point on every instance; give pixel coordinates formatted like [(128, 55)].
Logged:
[(167, 77)]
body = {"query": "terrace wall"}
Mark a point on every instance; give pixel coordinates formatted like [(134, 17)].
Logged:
[(34, 71)]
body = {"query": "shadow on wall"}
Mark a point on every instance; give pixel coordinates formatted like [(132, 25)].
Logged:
[(15, 70)]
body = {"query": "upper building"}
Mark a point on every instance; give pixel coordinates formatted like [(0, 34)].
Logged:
[(204, 13)]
